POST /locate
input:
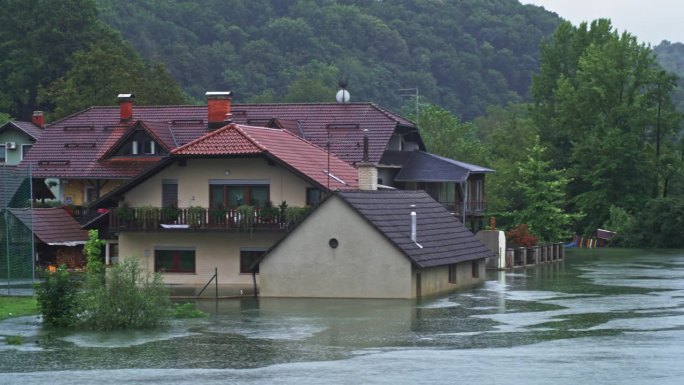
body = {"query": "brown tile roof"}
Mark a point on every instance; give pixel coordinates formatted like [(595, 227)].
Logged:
[(442, 237), (28, 128), (69, 148), (290, 150), (52, 226)]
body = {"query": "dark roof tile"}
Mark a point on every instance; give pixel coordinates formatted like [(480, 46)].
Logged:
[(53, 226), (443, 238)]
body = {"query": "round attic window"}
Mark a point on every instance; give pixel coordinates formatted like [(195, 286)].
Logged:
[(333, 243)]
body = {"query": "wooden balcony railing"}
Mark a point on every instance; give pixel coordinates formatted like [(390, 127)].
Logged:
[(474, 208), (243, 218)]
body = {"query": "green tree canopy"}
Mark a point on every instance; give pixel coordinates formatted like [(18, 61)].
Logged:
[(601, 104)]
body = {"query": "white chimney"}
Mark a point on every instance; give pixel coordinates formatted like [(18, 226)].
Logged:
[(414, 230)]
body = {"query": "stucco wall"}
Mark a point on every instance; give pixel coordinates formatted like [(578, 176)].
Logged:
[(435, 280), (14, 156), (193, 182), (364, 265), (212, 250), (74, 190)]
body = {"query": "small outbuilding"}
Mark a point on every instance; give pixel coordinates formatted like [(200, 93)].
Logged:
[(374, 244)]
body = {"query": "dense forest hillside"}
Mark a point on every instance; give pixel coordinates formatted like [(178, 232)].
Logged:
[(464, 55)]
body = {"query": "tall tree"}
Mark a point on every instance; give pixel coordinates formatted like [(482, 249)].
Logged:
[(543, 195), (37, 38), (598, 99), (445, 134), (105, 69)]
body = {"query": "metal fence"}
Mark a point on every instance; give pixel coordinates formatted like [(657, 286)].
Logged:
[(17, 247)]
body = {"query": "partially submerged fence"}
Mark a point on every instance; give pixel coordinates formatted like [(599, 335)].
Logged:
[(16, 237)]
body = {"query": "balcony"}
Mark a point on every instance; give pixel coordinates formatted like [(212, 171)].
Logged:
[(243, 218), (472, 208)]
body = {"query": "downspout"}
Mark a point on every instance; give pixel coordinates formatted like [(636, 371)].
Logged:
[(463, 203), (254, 282)]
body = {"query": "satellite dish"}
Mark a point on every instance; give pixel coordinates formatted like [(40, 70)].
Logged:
[(342, 96)]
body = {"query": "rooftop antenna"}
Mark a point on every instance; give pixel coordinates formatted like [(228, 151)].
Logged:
[(342, 95)]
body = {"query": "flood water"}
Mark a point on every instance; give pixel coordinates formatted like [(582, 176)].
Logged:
[(601, 317)]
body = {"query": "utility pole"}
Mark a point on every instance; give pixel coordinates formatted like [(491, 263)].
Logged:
[(413, 92)]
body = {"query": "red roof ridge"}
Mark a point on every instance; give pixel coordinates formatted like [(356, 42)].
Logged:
[(251, 139)]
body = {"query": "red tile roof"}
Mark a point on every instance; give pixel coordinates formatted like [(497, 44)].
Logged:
[(52, 226), (28, 128), (70, 148), (290, 150)]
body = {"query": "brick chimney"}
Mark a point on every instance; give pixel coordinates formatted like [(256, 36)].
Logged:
[(38, 119), (218, 109), (368, 172), (125, 107)]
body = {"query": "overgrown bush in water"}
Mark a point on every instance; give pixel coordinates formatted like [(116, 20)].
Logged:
[(122, 298), (129, 298), (187, 310), (57, 298)]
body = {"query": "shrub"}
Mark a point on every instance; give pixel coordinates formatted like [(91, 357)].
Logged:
[(57, 298), (128, 299), (521, 236), (187, 310), (14, 340)]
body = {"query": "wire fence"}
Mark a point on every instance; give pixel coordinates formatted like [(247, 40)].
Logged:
[(17, 247)]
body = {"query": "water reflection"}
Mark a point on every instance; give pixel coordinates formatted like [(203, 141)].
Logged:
[(607, 311)]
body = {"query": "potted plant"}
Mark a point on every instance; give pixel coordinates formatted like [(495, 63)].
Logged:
[(195, 216), (218, 214), (269, 214), (245, 217), (124, 214), (149, 216), (170, 214), (294, 214)]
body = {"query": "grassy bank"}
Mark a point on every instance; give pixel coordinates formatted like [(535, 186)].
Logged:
[(17, 306)]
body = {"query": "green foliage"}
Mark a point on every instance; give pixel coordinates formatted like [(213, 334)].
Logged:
[(602, 107), (624, 224), (660, 224), (130, 299), (14, 340), (444, 134), (187, 310), (93, 251), (462, 55), (195, 216), (57, 298), (17, 307), (294, 215), (245, 213), (38, 39), (542, 192), (124, 213), (103, 70), (170, 214)]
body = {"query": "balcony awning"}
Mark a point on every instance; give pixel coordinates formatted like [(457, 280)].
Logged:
[(425, 167)]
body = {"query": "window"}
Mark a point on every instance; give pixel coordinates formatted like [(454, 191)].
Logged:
[(91, 194), (452, 273), (476, 269), (3, 153), (248, 257), (169, 193), (25, 148), (313, 196), (174, 260), (140, 143), (234, 195)]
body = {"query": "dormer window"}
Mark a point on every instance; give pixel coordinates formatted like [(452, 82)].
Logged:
[(140, 144)]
